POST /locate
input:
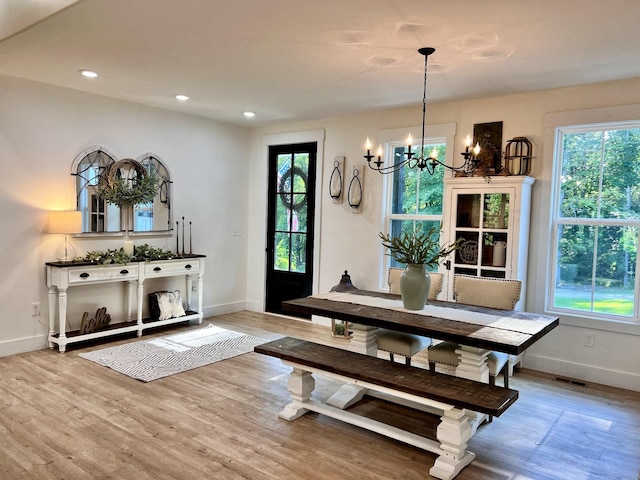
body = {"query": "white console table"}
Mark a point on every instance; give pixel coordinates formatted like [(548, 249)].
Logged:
[(63, 275)]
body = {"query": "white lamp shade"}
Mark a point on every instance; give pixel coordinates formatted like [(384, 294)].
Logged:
[(65, 222)]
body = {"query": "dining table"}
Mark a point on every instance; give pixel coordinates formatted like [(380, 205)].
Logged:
[(477, 330)]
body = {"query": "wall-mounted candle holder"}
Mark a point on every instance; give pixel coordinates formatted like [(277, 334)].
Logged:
[(355, 191), (336, 181)]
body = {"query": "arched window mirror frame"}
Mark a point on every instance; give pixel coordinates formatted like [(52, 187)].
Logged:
[(99, 218), (160, 210)]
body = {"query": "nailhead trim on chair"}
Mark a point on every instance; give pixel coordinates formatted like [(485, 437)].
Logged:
[(486, 301)]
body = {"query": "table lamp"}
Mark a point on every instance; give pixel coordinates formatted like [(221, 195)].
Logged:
[(65, 223)]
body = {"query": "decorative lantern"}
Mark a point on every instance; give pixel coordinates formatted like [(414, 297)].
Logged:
[(517, 156), (340, 328)]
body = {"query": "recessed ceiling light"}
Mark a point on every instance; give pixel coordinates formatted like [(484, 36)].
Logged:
[(182, 98), (249, 114), (88, 73)]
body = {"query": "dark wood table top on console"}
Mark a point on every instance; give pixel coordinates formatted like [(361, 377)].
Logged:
[(512, 332)]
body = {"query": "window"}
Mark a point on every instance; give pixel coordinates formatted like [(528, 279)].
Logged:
[(413, 199), (595, 217), (416, 198)]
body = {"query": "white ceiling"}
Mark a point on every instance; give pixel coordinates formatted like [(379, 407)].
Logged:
[(290, 60)]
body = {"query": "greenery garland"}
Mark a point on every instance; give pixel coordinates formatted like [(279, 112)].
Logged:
[(141, 253)]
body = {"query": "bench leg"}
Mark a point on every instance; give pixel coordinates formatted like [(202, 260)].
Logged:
[(300, 386), (453, 434), (346, 396)]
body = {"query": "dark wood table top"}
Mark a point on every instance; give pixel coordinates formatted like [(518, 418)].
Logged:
[(500, 330)]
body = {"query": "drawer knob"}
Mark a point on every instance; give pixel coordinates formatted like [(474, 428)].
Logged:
[(187, 266), (157, 269), (124, 272), (84, 275)]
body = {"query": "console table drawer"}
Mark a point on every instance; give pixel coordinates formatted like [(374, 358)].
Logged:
[(103, 274), (180, 267)]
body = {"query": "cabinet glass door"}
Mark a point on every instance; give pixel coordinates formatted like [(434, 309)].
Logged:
[(482, 222)]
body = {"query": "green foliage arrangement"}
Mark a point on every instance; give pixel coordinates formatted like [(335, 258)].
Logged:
[(418, 248), (141, 253), (147, 253), (138, 191)]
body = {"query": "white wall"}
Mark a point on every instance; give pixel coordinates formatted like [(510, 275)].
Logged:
[(350, 241), (43, 128)]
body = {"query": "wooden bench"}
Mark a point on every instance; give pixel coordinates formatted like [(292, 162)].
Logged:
[(456, 398)]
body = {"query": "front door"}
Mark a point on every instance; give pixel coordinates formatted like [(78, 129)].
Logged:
[(291, 203)]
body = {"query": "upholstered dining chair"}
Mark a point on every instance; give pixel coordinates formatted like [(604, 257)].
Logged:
[(482, 292), (393, 280), (399, 343)]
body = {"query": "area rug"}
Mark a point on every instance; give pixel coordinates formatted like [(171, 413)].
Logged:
[(160, 357)]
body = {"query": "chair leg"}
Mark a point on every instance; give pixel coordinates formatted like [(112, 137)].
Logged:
[(505, 372), (407, 361), (432, 366), (391, 357)]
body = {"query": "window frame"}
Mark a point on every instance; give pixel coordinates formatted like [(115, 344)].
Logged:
[(575, 121), (391, 139)]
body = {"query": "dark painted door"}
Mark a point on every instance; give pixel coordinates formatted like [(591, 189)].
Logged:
[(291, 195)]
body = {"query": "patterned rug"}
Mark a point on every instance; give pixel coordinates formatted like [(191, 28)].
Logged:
[(163, 356)]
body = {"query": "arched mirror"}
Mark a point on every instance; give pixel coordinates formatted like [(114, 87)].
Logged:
[(154, 216), (96, 167)]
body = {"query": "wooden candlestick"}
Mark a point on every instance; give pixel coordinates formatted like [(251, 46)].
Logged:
[(177, 238), (182, 235)]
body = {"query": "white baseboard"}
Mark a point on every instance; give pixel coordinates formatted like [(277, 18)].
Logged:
[(585, 373), (213, 310), (254, 306), (23, 345)]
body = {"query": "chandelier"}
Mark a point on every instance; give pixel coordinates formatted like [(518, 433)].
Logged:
[(418, 159)]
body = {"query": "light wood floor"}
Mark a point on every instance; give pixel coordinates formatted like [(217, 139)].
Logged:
[(63, 417)]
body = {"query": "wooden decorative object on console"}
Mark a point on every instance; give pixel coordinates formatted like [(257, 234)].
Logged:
[(100, 321)]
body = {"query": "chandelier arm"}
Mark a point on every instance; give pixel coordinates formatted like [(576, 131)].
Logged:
[(388, 169)]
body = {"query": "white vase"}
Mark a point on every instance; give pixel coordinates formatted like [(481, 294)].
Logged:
[(414, 287)]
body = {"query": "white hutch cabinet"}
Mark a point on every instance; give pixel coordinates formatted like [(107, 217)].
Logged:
[(491, 216)]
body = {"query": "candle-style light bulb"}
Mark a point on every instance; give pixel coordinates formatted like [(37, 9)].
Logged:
[(467, 142), (434, 153), (367, 145), (409, 140), (379, 153), (476, 149)]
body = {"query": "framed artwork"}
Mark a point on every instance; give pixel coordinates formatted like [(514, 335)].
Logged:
[(489, 136)]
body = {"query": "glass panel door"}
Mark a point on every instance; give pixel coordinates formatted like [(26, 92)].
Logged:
[(290, 223)]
